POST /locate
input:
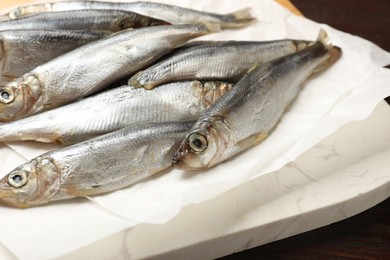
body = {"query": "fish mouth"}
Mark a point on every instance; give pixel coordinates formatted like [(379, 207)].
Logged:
[(176, 159), (186, 161), (5, 190), (5, 193), (9, 198), (179, 164), (183, 165)]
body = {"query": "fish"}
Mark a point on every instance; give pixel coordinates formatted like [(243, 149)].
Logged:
[(170, 13), (23, 50), (246, 115), (227, 61), (91, 67), (114, 109), (89, 19), (99, 165)]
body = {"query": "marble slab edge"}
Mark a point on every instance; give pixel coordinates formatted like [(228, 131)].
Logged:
[(345, 174)]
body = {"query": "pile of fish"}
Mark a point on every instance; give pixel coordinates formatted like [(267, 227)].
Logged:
[(187, 105)]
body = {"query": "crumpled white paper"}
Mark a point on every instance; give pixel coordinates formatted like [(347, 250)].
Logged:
[(348, 91)]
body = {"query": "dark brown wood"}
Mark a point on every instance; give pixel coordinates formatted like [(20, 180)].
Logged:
[(367, 235), (369, 19), (364, 236)]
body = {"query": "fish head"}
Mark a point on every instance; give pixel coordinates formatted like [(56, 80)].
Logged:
[(18, 97), (30, 184), (204, 147)]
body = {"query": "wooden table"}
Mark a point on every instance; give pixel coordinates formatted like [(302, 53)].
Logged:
[(367, 235), (368, 19)]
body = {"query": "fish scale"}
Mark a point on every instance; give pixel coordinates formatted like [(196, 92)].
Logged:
[(111, 110), (136, 152), (226, 61), (22, 50), (256, 102), (77, 74), (169, 13), (89, 19)]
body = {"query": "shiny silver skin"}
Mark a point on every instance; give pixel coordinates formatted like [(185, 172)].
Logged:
[(106, 163), (169, 13), (91, 68), (214, 61), (88, 19), (114, 109), (245, 115), (23, 50)]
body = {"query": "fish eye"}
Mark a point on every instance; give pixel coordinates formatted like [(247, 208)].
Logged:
[(17, 179), (6, 96), (197, 142)]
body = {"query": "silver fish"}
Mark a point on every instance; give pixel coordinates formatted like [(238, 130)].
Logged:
[(23, 50), (214, 61), (245, 115), (105, 20), (100, 165), (114, 109), (169, 13), (90, 68)]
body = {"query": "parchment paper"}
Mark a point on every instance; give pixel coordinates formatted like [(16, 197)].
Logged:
[(347, 91)]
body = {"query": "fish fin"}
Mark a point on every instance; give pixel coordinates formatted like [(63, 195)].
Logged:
[(253, 67), (241, 17), (334, 52), (212, 27), (252, 140), (134, 82), (323, 37)]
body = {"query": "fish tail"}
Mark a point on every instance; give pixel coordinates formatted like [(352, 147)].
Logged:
[(241, 17), (334, 52), (212, 27), (16, 13), (323, 37)]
